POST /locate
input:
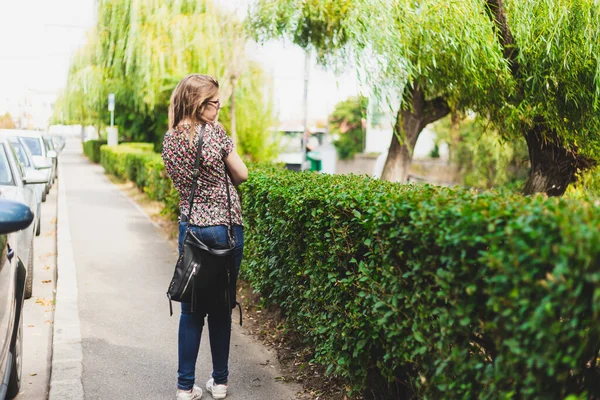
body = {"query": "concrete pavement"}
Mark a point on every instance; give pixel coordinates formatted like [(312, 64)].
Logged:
[(123, 266), (38, 311)]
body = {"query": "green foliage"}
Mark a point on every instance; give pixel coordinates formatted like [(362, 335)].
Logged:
[(451, 50), (254, 140), (91, 149), (346, 121), (138, 163), (588, 185), (444, 293), (483, 157), (435, 152), (140, 50)]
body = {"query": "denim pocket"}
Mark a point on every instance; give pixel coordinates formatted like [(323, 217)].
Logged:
[(219, 235)]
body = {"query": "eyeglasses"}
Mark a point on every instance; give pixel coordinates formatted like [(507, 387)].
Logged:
[(216, 103)]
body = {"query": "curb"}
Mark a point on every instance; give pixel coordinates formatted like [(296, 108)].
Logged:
[(67, 355)]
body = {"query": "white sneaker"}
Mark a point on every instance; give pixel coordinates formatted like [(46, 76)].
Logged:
[(195, 394), (217, 391)]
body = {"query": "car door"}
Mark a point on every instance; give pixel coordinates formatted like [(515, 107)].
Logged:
[(7, 295), (22, 194)]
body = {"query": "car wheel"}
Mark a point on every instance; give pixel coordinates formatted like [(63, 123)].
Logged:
[(14, 382), (44, 197), (38, 230), (29, 280)]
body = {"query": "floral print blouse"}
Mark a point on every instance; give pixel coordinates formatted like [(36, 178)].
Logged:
[(210, 200)]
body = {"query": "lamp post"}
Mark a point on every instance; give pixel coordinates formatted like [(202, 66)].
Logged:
[(305, 104)]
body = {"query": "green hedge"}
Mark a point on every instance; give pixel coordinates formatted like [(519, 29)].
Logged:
[(91, 149), (137, 163), (431, 292), (417, 290)]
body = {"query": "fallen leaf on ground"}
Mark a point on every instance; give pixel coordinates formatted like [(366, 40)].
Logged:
[(51, 233), (44, 302), (31, 326), (46, 268), (32, 374), (52, 254), (47, 281)]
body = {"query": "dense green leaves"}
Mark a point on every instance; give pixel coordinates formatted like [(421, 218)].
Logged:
[(346, 122), (91, 149), (453, 50), (140, 50), (445, 293), (139, 164), (434, 292)]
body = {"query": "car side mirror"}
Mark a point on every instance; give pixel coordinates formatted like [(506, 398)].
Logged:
[(14, 216), (52, 154), (34, 179)]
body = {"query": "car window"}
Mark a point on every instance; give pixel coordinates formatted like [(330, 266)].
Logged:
[(6, 177), (48, 143), (34, 145), (21, 153)]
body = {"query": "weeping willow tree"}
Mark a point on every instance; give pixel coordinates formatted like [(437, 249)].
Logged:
[(531, 67), (139, 50)]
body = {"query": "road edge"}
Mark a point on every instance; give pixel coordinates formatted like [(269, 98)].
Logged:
[(67, 355)]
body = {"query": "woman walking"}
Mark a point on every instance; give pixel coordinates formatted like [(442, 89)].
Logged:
[(193, 112)]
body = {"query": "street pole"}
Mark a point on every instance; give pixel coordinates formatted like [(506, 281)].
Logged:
[(305, 133)]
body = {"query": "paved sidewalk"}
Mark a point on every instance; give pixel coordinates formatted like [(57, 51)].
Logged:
[(38, 311), (124, 265)]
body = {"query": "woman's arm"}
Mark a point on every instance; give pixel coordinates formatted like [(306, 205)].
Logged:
[(237, 169)]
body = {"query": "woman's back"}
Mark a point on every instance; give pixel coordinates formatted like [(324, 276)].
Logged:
[(210, 201)]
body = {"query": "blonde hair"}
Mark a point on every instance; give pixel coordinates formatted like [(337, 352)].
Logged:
[(189, 99)]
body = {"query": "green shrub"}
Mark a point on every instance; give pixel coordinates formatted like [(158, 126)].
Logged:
[(91, 149), (427, 291), (137, 163)]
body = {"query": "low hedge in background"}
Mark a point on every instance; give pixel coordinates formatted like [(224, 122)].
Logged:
[(431, 292), (91, 149), (138, 163)]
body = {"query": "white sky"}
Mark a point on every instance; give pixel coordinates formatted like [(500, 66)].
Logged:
[(38, 38)]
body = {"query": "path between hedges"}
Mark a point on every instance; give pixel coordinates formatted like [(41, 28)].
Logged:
[(123, 266)]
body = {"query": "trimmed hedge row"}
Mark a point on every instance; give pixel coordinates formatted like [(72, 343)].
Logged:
[(431, 292), (91, 149), (418, 290), (137, 163)]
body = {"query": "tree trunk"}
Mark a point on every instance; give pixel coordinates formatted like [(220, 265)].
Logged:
[(553, 167), (409, 124), (397, 164)]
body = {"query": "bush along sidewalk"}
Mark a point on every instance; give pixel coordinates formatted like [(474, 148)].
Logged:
[(137, 163), (420, 291), (431, 292), (91, 148)]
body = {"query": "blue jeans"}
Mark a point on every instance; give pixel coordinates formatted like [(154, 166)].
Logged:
[(219, 326)]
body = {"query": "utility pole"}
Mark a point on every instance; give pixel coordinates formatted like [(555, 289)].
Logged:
[(305, 133)]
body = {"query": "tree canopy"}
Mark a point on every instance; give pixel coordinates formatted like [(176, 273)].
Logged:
[(531, 67), (140, 50)]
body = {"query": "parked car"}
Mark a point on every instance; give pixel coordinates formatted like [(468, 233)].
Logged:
[(59, 142), (51, 150), (42, 159), (16, 186), (25, 157), (14, 217)]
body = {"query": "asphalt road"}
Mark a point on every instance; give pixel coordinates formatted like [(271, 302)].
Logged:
[(38, 311), (124, 264)]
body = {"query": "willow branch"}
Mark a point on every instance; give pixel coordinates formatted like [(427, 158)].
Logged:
[(497, 13)]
